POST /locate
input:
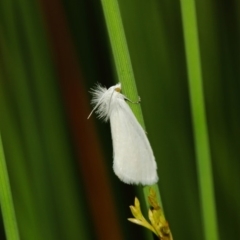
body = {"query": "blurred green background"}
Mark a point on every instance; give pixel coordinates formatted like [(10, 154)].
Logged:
[(60, 163)]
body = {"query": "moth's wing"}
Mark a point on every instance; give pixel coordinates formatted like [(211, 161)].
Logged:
[(134, 162)]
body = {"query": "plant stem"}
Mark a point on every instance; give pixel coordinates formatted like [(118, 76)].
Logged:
[(205, 178), (121, 54)]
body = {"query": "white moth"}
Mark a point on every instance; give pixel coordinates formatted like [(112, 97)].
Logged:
[(133, 160)]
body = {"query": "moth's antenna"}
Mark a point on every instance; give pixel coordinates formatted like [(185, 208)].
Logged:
[(100, 101), (93, 110)]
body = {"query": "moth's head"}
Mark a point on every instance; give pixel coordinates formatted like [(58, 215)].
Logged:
[(117, 87)]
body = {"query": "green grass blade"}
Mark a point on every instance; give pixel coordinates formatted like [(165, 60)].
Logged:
[(123, 64), (6, 201), (199, 120), (121, 54)]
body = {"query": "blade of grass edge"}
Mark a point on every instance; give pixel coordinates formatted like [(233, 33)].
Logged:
[(6, 201), (205, 177)]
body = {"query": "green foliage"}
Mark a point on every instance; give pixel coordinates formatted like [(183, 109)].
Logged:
[(51, 193), (204, 164)]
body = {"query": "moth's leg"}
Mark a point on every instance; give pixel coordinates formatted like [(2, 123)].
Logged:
[(137, 102)]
